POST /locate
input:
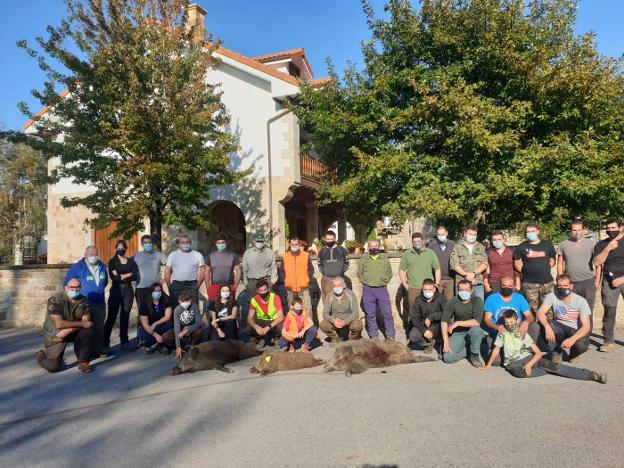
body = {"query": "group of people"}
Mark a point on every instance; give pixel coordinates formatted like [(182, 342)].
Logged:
[(462, 300)]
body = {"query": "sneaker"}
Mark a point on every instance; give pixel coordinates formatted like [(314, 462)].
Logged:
[(165, 351), (333, 343), (149, 350), (84, 367), (607, 348), (305, 348), (557, 358), (428, 348), (128, 347), (291, 349), (476, 361), (260, 344), (41, 355), (600, 377)]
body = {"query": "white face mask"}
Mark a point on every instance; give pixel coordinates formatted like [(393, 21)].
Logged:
[(225, 294), (93, 259), (294, 248), (185, 305)]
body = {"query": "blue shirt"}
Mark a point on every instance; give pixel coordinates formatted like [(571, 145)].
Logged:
[(93, 291), (495, 305)]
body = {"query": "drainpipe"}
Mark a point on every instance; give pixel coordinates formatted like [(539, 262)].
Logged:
[(269, 122)]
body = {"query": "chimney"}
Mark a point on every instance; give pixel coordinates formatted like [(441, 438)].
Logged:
[(196, 21)]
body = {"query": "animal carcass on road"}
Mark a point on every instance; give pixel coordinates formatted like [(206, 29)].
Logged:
[(354, 357), (282, 361), (214, 355)]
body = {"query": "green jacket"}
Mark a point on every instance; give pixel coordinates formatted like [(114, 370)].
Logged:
[(469, 261), (374, 272)]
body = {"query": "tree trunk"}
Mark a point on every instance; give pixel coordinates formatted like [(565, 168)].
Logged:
[(18, 251), (156, 229)]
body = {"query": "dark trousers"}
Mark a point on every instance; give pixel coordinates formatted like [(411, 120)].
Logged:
[(417, 336), (193, 339), (308, 337), (447, 287), (83, 339), (98, 315), (545, 366), (229, 327), (563, 332), (141, 294), (273, 334), (610, 297), (120, 299), (147, 339), (177, 287), (587, 289)]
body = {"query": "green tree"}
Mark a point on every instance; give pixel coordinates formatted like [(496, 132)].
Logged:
[(487, 111), (140, 125), (23, 193)]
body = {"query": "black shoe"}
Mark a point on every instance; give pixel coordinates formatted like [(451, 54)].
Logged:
[(128, 347), (165, 351), (149, 350)]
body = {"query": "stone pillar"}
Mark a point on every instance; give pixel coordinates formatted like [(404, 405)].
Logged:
[(278, 241), (312, 223), (342, 226)]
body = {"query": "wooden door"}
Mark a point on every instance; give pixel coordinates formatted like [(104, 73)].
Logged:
[(106, 246)]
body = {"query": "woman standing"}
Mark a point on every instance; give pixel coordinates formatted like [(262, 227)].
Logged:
[(155, 320), (123, 271), (223, 313)]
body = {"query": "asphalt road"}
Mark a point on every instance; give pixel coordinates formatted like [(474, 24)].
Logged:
[(130, 412)]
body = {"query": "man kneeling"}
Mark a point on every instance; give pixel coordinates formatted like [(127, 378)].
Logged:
[(67, 320), (521, 363)]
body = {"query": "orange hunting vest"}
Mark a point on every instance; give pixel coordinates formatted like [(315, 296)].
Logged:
[(296, 271)]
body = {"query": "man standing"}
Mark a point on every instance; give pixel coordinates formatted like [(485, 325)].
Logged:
[(501, 263), (461, 326), (93, 278), (442, 246), (469, 261), (222, 267), (534, 259), (67, 320), (341, 313), (576, 256), (569, 328), (375, 272), (426, 316), (609, 254), (296, 269), (258, 264), (184, 271), (333, 260), (417, 264), (149, 261)]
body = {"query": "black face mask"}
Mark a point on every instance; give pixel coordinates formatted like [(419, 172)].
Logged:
[(329, 244), (265, 296), (506, 292), (563, 292), (373, 251), (613, 234), (121, 252)]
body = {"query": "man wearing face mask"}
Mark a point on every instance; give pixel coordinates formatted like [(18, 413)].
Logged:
[(576, 258), (461, 326), (296, 269), (501, 263), (505, 299), (184, 270), (417, 264), (426, 316), (149, 261), (93, 277), (341, 313), (442, 246), (265, 315), (258, 264), (568, 330), (469, 261), (333, 260), (222, 267), (533, 259), (609, 254), (67, 320)]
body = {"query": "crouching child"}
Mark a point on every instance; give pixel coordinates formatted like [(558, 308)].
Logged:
[(524, 359), (298, 329)]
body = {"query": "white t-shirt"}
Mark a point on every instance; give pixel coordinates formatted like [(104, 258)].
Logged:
[(184, 265)]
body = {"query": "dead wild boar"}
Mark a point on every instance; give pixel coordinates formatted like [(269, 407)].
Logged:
[(282, 361), (214, 355), (355, 357)]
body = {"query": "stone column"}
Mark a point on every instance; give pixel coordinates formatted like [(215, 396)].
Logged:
[(312, 222)]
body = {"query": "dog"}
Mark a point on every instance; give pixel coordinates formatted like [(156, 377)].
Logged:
[(355, 357), (270, 363), (214, 355)]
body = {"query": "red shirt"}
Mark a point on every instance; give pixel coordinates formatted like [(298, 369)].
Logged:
[(500, 265)]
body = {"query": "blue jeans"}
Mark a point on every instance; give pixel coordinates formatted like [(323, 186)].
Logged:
[(308, 337), (148, 339)]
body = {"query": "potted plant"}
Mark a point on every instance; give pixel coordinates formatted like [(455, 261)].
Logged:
[(350, 245)]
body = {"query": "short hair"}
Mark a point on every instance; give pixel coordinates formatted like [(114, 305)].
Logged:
[(296, 300), (428, 282), (472, 227), (417, 235), (532, 225), (441, 226), (72, 279), (90, 247), (330, 233), (185, 296), (339, 278), (145, 237), (507, 278), (220, 237), (184, 236), (614, 219), (122, 243), (261, 284), (510, 313), (497, 233), (564, 276), (464, 282), (155, 285), (577, 221), (293, 238)]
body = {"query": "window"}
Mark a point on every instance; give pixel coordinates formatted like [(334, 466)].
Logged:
[(294, 70)]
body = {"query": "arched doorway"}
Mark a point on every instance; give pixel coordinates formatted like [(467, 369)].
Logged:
[(228, 219)]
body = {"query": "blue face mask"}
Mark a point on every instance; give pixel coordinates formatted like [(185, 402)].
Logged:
[(185, 247), (471, 239), (221, 247), (441, 239), (417, 245), (148, 246), (338, 291), (532, 236), (73, 294), (156, 295), (498, 244), (464, 295), (428, 294), (93, 259), (259, 245)]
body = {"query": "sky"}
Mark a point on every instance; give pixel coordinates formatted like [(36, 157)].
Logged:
[(325, 28)]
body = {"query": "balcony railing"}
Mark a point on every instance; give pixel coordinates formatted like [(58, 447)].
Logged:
[(312, 169)]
